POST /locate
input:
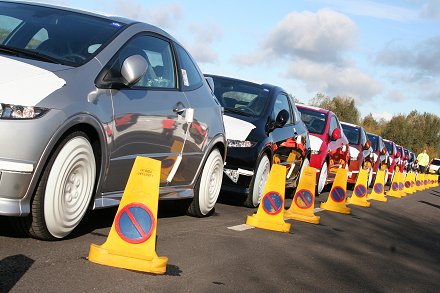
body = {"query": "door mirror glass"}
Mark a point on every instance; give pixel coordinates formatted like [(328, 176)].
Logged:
[(282, 118)]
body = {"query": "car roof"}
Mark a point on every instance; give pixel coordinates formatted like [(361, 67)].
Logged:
[(265, 85), (351, 124), (322, 110)]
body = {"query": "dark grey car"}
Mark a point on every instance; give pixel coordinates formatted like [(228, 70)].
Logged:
[(82, 96)]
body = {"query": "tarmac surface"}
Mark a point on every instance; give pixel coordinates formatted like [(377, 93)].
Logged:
[(389, 247)]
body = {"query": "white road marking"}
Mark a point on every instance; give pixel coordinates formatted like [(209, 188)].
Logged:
[(240, 228)]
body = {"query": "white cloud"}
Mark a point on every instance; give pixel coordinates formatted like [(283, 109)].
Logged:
[(431, 10), (321, 36), (163, 16), (333, 80), (384, 115), (201, 45), (373, 9)]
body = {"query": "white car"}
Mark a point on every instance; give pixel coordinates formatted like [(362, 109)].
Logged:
[(434, 166)]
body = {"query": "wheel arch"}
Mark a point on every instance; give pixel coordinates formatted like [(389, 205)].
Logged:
[(97, 136)]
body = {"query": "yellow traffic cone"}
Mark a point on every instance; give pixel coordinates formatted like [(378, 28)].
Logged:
[(336, 199), (270, 213), (131, 243), (394, 188), (378, 192), (359, 195), (303, 203), (407, 184), (419, 182)]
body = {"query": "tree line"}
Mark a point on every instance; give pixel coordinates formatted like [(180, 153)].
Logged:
[(415, 131)]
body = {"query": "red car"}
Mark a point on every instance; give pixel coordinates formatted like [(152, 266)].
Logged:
[(394, 159), (330, 148), (360, 149)]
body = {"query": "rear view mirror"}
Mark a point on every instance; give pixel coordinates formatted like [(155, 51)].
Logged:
[(398, 155), (133, 68), (282, 118), (367, 145), (336, 134), (384, 151)]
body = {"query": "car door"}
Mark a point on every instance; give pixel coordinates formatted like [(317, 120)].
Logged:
[(287, 142), (147, 118)]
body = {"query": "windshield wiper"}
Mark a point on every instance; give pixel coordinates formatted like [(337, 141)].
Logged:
[(19, 52), (236, 111)]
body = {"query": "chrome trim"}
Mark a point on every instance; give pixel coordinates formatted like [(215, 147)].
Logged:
[(15, 166)]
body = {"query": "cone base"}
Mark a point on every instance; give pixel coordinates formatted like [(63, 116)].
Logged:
[(378, 198), (334, 208), (259, 223), (304, 218), (100, 255), (359, 202), (393, 194)]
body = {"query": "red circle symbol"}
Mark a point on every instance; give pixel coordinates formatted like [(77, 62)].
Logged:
[(135, 223)]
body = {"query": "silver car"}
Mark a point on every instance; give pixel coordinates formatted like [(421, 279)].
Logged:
[(81, 96)]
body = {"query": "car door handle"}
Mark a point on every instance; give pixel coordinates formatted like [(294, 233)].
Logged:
[(179, 108)]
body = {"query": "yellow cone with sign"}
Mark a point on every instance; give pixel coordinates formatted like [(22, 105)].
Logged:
[(131, 243), (407, 183), (359, 195), (303, 203), (378, 192), (394, 188), (270, 213), (336, 199), (419, 182)]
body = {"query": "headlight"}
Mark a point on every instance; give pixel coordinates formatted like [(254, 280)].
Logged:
[(8, 111), (353, 158), (240, 143)]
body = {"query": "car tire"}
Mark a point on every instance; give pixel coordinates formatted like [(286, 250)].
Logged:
[(305, 163), (390, 180), (207, 189), (258, 183), (64, 191), (322, 179)]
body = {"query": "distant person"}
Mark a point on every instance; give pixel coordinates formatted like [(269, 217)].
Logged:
[(423, 160)]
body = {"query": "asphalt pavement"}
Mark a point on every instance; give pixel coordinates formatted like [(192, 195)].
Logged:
[(389, 247)]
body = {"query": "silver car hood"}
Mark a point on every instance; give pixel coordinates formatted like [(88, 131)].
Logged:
[(25, 84)]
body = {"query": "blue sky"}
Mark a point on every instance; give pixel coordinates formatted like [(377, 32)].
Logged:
[(384, 54)]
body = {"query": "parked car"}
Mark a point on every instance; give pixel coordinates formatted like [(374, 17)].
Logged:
[(405, 159), (330, 148), (263, 127), (393, 160), (400, 166), (82, 96), (379, 156), (360, 150), (434, 166)]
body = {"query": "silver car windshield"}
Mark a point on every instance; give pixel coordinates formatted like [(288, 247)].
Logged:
[(53, 35)]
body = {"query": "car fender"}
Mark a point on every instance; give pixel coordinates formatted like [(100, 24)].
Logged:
[(69, 124)]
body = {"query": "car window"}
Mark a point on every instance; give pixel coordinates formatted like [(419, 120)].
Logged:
[(435, 162), (375, 142), (315, 121), (296, 113), (240, 97), (352, 133), (282, 103), (363, 137), (191, 78), (157, 52), (54, 35), (333, 124)]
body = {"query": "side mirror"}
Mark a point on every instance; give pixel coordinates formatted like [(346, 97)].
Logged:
[(282, 118), (384, 151), (367, 145), (398, 155), (406, 157), (133, 68), (336, 134)]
